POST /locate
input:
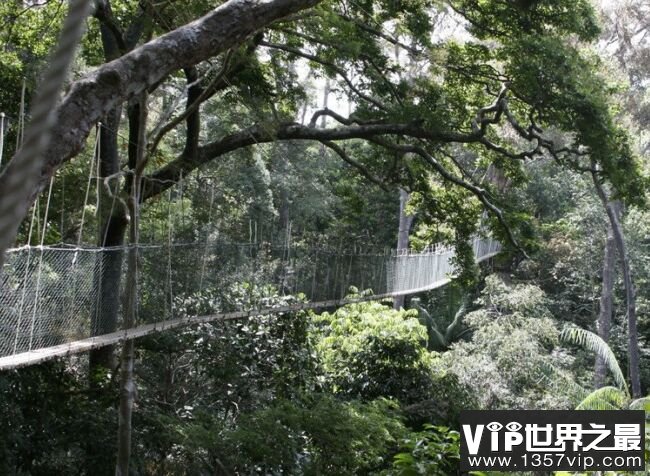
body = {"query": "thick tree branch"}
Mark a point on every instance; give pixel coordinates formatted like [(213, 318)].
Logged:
[(351, 129), (104, 15), (90, 98), (480, 123), (328, 112), (258, 134)]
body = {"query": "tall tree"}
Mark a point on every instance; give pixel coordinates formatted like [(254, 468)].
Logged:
[(606, 310), (612, 209), (405, 224)]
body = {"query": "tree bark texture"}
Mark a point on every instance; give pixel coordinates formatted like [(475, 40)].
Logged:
[(606, 303), (613, 210), (405, 223)]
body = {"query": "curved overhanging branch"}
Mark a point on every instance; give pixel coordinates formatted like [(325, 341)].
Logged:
[(350, 129), (481, 122), (162, 179), (533, 133), (167, 176)]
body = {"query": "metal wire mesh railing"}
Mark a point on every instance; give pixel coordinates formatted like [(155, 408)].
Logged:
[(60, 300), (409, 272)]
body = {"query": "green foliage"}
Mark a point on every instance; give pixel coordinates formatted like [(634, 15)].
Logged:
[(604, 398), (442, 334), (507, 20), (292, 393), (434, 451), (319, 436), (370, 350), (514, 340), (45, 411)]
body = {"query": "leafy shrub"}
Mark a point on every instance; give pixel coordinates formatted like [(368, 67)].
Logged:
[(369, 350), (514, 344), (435, 451), (320, 436)]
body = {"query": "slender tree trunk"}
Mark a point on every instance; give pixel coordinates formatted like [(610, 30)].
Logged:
[(127, 384), (112, 227), (405, 223), (326, 97), (606, 303), (613, 209)]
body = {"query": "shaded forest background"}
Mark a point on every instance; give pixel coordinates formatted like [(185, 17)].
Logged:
[(352, 126)]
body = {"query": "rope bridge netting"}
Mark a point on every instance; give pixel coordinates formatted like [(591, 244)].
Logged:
[(60, 300)]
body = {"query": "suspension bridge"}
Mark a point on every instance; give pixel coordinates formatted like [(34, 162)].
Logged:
[(62, 300), (53, 298)]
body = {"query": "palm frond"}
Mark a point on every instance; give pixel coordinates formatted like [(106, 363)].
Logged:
[(453, 329), (560, 381), (437, 340), (594, 343), (641, 404), (605, 398)]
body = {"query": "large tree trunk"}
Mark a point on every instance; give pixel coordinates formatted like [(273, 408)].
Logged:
[(405, 223), (606, 303), (613, 209)]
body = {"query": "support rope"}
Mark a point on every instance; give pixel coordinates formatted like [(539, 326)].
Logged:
[(2, 135), (40, 266), (20, 178), (25, 278)]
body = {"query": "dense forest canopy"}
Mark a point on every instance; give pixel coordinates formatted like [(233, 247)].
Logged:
[(351, 126)]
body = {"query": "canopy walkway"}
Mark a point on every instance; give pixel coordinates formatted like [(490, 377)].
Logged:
[(51, 299), (61, 300)]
